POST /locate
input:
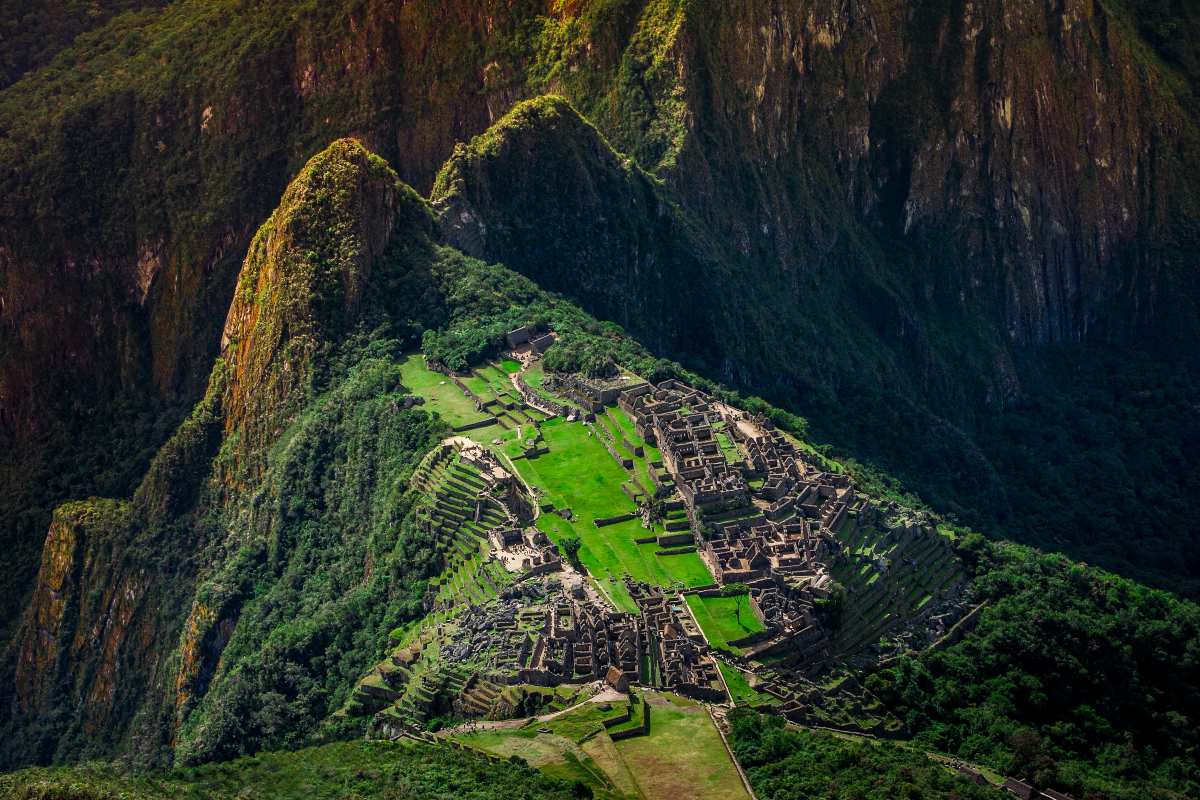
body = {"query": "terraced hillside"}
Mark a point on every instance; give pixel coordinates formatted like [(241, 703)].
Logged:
[(775, 592)]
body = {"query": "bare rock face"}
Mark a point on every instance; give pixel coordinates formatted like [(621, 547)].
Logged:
[(1011, 158), (70, 561), (91, 621), (1017, 159)]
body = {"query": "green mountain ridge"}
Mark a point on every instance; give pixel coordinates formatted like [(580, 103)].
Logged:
[(271, 548), (259, 261)]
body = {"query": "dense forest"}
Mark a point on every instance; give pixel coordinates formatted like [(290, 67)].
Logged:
[(1073, 678), (791, 764), (359, 770)]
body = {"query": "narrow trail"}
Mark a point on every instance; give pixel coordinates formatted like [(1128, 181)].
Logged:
[(531, 397)]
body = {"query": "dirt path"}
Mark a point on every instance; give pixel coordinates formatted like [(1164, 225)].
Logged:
[(526, 360)]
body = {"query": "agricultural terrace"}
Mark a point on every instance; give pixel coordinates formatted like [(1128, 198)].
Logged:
[(577, 474), (740, 690)]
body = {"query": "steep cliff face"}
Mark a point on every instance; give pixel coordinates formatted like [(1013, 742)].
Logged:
[(544, 190), (92, 645), (1030, 163), (73, 559), (982, 156)]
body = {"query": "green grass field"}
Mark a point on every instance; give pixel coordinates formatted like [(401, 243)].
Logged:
[(618, 423), (440, 393), (720, 621), (575, 748), (741, 690), (578, 473), (683, 757), (555, 755)]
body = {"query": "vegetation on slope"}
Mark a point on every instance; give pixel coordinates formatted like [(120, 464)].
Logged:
[(1073, 677), (1088, 449), (789, 764), (295, 553), (160, 141), (274, 520), (1074, 631), (360, 770), (1092, 665), (34, 31)]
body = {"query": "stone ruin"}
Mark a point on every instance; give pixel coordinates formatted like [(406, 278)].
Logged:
[(546, 635), (760, 510)]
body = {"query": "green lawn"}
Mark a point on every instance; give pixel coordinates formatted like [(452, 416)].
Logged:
[(555, 755), (728, 448), (578, 473), (625, 422), (510, 365), (479, 386), (575, 748), (719, 619), (741, 690), (683, 757), (440, 393)]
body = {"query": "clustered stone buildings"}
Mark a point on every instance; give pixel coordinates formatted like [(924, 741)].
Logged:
[(766, 519), (547, 634), (757, 508)]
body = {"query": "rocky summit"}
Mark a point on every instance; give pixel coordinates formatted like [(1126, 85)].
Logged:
[(628, 399)]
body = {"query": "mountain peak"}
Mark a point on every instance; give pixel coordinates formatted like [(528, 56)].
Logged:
[(303, 278)]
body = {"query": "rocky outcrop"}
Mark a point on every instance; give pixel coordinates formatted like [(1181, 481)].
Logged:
[(76, 556), (544, 191), (302, 282)]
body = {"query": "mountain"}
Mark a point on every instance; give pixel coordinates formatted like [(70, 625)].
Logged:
[(937, 211), (274, 550), (941, 255)]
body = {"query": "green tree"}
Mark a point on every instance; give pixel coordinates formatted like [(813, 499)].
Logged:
[(740, 592), (570, 546)]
